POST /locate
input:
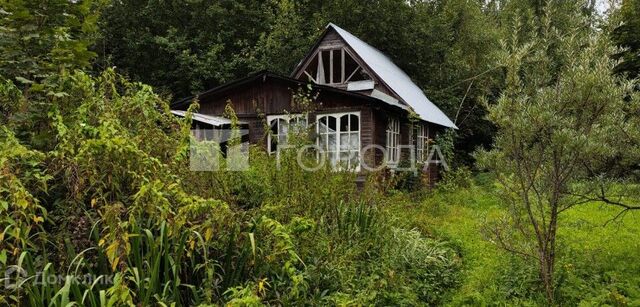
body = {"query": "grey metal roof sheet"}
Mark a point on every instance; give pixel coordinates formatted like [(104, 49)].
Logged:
[(395, 78), (207, 119)]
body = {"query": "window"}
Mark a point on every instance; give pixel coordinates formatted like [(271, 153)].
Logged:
[(393, 141), (422, 132), (339, 139), (280, 125), (334, 66)]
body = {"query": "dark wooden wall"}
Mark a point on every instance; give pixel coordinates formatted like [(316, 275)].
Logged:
[(254, 101), (259, 98)]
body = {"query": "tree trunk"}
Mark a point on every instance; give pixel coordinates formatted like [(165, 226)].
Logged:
[(548, 254), (546, 274)]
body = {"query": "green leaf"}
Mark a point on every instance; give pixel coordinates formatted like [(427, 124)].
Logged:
[(24, 80)]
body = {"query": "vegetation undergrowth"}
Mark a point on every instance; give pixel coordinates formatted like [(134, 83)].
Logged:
[(598, 261), (102, 189)]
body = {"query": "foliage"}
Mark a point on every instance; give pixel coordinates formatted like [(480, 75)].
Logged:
[(185, 48), (452, 180), (22, 181), (40, 38), (109, 195), (181, 48), (558, 118), (626, 36), (597, 262), (98, 200), (148, 222)]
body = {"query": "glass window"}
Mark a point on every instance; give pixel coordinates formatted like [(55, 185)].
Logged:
[(393, 141), (280, 126), (339, 139), (422, 132)]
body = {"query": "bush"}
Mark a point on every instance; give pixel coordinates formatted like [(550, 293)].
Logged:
[(105, 191), (452, 180)]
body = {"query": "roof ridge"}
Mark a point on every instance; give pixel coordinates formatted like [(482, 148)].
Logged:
[(395, 78)]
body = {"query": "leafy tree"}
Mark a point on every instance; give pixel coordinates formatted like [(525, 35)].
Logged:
[(291, 33), (627, 36), (184, 48), (41, 37), (559, 117), (181, 47)]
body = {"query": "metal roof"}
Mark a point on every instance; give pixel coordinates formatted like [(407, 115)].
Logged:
[(216, 121), (396, 79)]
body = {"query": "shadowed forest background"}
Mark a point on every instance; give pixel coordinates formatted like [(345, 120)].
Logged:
[(540, 206)]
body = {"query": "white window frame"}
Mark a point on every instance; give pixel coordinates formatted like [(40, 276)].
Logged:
[(422, 137), (393, 141), (287, 118), (338, 150)]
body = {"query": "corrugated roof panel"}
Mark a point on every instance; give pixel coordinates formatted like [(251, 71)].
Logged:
[(207, 119), (395, 78)]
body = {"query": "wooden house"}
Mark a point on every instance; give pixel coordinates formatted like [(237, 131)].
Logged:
[(366, 110)]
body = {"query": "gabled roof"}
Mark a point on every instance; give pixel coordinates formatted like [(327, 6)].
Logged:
[(396, 79)]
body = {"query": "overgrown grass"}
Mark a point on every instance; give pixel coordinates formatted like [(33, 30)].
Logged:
[(109, 194), (599, 262)]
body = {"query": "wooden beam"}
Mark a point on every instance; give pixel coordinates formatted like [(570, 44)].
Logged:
[(331, 66), (320, 79), (342, 65), (310, 77), (353, 73)]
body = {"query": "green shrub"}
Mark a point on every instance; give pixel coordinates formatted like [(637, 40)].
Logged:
[(106, 191)]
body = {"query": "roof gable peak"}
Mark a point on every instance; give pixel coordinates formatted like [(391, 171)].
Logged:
[(385, 71)]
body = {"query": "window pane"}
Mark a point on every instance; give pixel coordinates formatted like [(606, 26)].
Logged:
[(337, 66), (322, 124), (354, 142), (323, 141), (344, 160), (332, 142), (354, 125), (274, 126), (344, 141), (332, 158), (355, 161), (344, 123), (332, 124), (298, 124), (326, 61), (284, 126)]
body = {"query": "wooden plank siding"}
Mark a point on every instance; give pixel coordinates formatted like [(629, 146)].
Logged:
[(255, 101), (255, 98), (263, 94)]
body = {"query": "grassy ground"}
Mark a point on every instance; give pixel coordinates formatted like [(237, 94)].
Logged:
[(599, 262)]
